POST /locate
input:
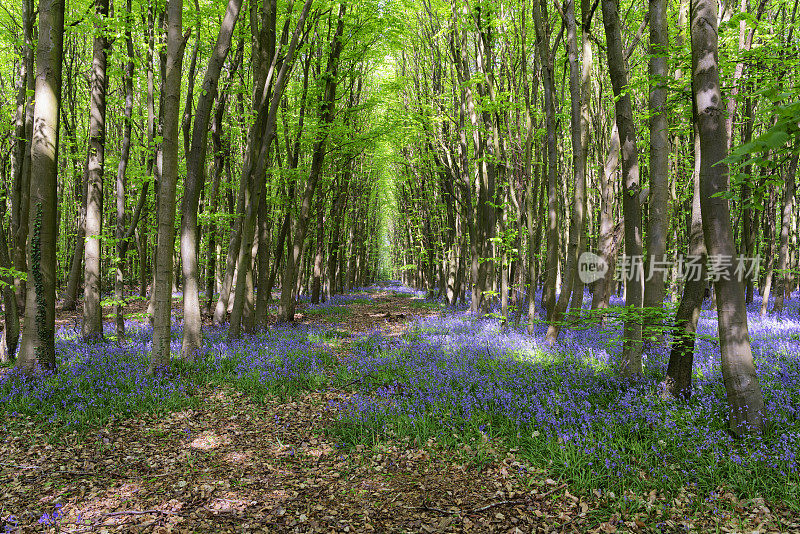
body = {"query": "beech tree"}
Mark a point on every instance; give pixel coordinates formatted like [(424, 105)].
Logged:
[(738, 372), (92, 313), (162, 284), (37, 350)]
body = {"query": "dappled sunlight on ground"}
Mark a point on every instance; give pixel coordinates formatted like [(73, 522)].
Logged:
[(208, 441), (231, 461)]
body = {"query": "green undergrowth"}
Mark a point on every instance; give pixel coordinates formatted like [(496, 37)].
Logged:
[(103, 383), (657, 457)]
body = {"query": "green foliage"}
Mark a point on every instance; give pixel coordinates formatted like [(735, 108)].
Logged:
[(780, 139)]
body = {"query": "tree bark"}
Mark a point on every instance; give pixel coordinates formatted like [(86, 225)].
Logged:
[(122, 245), (789, 187), (546, 57), (678, 381), (76, 267), (768, 236), (738, 371), (287, 303), (221, 155), (10, 340), (578, 173), (195, 181), (37, 351), (316, 284), (244, 262), (659, 205), (23, 133), (631, 363), (162, 287), (92, 329)]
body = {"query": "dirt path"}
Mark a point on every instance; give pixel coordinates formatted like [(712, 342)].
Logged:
[(233, 465)]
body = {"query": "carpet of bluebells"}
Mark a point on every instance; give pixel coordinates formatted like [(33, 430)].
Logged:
[(458, 379)]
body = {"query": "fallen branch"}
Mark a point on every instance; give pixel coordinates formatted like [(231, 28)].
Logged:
[(359, 379), (15, 466), (432, 509)]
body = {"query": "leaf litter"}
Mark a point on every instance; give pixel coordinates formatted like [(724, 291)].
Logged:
[(231, 464)]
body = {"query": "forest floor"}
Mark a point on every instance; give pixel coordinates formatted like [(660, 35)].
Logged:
[(234, 463)]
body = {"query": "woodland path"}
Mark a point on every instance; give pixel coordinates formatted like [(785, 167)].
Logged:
[(231, 464)]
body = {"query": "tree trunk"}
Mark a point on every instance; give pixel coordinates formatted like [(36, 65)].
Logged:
[(162, 287), (248, 227), (631, 363), (38, 338), (122, 245), (546, 57), (23, 133), (578, 173), (92, 312), (768, 236), (76, 267), (678, 381), (749, 216), (738, 372), (316, 284), (11, 315), (659, 208), (608, 242), (786, 222), (195, 181), (287, 303)]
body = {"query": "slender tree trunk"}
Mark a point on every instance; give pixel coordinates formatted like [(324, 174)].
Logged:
[(738, 371), (10, 339), (195, 181), (631, 363), (316, 284), (659, 208), (749, 218), (262, 263), (248, 228), (23, 133), (76, 267), (546, 57), (92, 312), (287, 303), (768, 236), (122, 245), (608, 245), (162, 287), (786, 222), (578, 173), (220, 156), (38, 337), (678, 381)]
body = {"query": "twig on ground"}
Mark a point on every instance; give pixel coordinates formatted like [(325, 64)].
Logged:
[(359, 379), (495, 504), (15, 466), (432, 509)]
